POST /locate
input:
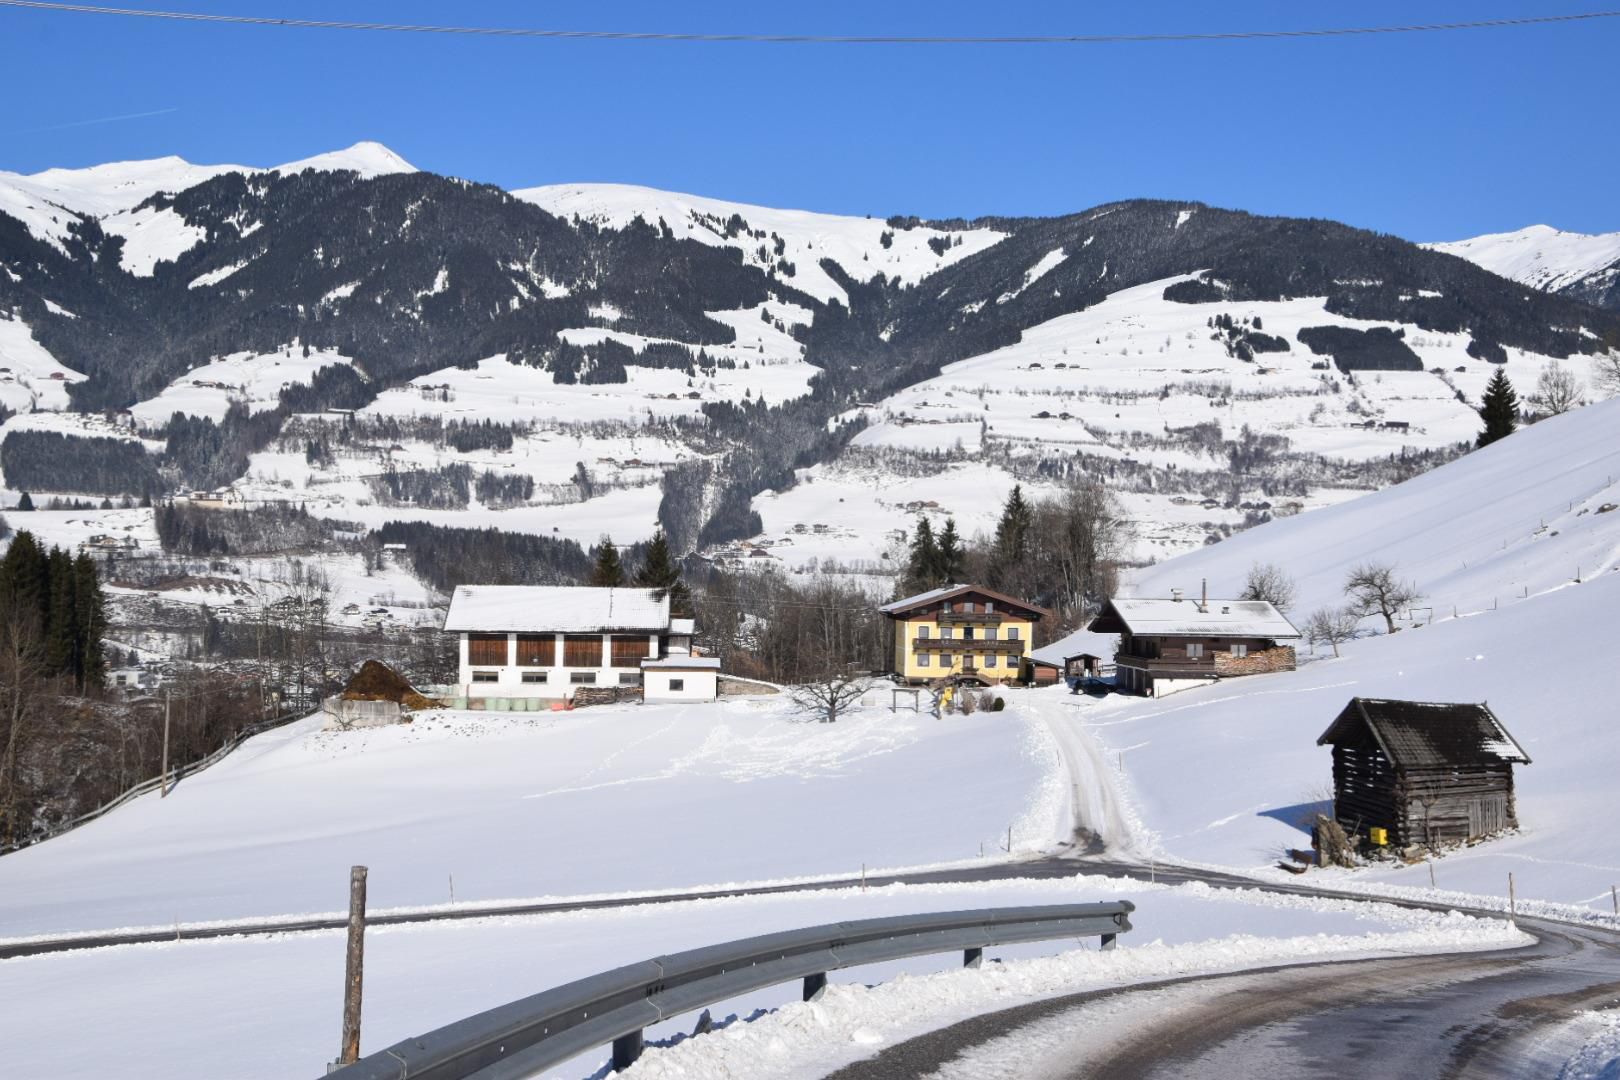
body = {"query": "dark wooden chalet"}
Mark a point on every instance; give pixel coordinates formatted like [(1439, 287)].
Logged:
[(1426, 772), (1173, 643)]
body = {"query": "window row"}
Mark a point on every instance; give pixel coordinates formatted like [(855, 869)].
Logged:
[(578, 678), (990, 660), (540, 650), (986, 633)]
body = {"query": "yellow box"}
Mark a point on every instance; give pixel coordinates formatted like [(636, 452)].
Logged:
[(1379, 836)]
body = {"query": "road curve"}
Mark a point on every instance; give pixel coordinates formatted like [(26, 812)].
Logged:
[(1471, 1015)]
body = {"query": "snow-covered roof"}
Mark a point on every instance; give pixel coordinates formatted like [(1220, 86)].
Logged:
[(683, 626), (685, 663), (946, 592), (560, 609), (1193, 618), (1079, 643)]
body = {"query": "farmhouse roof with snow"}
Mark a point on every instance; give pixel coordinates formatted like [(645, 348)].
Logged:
[(1186, 617), (1427, 734), (950, 592), (561, 609)]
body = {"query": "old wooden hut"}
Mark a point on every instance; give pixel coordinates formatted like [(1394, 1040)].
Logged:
[(1425, 772)]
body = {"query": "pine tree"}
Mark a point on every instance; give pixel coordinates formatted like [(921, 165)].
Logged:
[(658, 571), (1012, 535), (609, 570), (1499, 408), (952, 559), (26, 502), (922, 570)]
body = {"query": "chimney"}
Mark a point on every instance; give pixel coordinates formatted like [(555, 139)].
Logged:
[(1175, 594), (1203, 604)]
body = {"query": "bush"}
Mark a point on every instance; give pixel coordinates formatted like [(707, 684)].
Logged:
[(998, 705)]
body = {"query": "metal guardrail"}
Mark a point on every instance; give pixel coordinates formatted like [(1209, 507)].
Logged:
[(518, 1039)]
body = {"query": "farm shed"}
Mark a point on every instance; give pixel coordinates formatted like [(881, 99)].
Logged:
[(1427, 772)]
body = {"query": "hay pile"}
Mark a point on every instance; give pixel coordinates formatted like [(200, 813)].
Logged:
[(376, 681)]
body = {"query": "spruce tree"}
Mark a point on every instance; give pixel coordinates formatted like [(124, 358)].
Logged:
[(922, 570), (658, 571), (1499, 408), (26, 502), (952, 559), (609, 570), (1012, 536)]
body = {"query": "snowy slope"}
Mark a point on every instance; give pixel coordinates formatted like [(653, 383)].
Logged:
[(1540, 255), (1223, 774), (605, 799), (854, 243), (1525, 513), (30, 377), (254, 379)]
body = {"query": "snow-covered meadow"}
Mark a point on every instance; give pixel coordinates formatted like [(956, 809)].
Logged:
[(602, 800)]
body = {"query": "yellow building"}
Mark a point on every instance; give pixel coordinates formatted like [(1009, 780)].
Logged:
[(961, 630)]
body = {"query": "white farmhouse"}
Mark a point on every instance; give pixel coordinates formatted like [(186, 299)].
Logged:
[(526, 646)]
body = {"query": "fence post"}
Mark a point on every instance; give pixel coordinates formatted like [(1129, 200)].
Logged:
[(1513, 901), (163, 787), (354, 967), (627, 1048)]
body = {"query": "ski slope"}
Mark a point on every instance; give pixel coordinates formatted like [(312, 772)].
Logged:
[(1226, 774)]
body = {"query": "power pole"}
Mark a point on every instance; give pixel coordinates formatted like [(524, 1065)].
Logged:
[(164, 787)]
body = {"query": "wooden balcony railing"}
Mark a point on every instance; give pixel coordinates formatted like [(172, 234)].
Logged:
[(977, 618), (1155, 665), (1013, 647)]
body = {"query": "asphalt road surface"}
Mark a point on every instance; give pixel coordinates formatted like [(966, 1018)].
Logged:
[(1468, 1015)]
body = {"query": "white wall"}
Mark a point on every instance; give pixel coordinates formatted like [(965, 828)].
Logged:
[(559, 683), (703, 685)]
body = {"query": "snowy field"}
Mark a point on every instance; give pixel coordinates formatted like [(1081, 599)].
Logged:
[(602, 800), (421, 976), (254, 379), (1225, 774)]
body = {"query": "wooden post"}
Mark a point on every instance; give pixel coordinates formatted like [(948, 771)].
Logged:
[(1513, 901), (1614, 894), (164, 786), (1431, 871), (354, 967), (1009, 840)]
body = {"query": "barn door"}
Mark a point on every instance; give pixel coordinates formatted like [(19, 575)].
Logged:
[(1487, 814)]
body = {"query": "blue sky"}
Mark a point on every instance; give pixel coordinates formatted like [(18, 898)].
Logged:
[(1428, 136)]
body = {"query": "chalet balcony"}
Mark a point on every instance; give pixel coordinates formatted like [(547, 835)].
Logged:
[(973, 618), (1013, 647), (1168, 665)]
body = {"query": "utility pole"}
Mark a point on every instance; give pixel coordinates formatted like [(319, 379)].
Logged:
[(354, 968), (164, 787)]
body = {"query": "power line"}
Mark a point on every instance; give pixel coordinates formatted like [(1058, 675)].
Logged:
[(811, 39)]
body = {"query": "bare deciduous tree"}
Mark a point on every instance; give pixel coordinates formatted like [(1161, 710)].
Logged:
[(1331, 626), (1557, 391), (830, 694), (1374, 589), (1268, 581), (1606, 371)]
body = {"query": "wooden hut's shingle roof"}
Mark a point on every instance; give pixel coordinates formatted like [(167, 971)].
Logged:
[(1428, 734)]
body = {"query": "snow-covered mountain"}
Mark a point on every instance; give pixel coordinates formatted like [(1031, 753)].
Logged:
[(1583, 265), (732, 371)]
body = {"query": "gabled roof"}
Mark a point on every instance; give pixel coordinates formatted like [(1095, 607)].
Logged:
[(1424, 734), (1192, 618), (683, 663), (1080, 643), (950, 592), (558, 609)]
